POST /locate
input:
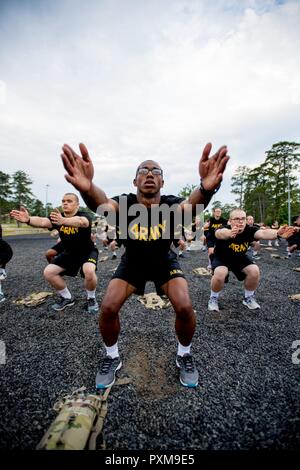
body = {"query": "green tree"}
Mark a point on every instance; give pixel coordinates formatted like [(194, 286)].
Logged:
[(282, 163), (266, 185), (36, 207), (21, 185), (187, 190), (5, 193), (238, 184)]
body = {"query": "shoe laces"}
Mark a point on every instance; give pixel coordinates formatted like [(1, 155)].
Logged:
[(106, 365), (188, 363)]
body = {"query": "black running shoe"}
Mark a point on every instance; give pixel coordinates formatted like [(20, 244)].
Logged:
[(106, 374), (62, 303), (92, 306), (188, 373)]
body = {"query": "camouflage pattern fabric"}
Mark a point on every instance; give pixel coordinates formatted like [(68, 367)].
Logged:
[(202, 271), (73, 425), (33, 300), (294, 297), (154, 301)]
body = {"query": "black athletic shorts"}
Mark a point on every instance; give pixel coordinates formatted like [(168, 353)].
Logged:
[(235, 265), (72, 263), (5, 253), (210, 243), (138, 275), (59, 247), (294, 241)]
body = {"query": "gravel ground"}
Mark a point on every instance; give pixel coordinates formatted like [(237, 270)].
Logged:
[(248, 396)]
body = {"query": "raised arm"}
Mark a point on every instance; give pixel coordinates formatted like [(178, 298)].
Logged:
[(211, 172), (271, 234), (226, 233), (80, 173), (23, 216)]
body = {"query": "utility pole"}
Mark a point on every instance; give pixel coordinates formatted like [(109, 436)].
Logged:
[(288, 188), (289, 194)]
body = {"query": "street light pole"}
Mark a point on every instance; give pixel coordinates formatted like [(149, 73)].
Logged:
[(47, 186), (289, 194), (288, 188)]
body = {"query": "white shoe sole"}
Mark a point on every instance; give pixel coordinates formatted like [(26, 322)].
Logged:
[(251, 308), (101, 386), (60, 309)]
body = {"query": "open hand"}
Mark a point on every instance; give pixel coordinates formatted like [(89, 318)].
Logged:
[(22, 215), (211, 169), (80, 168), (285, 231)]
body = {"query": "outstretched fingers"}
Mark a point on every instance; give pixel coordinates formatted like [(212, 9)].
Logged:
[(222, 163), (84, 152), (206, 152), (67, 164), (70, 154)]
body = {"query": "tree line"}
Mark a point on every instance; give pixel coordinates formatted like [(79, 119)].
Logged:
[(263, 191), (270, 189), (15, 191)]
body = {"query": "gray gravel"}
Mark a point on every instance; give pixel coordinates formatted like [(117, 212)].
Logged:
[(248, 396)]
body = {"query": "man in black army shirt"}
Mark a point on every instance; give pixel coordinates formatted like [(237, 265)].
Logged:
[(79, 252), (215, 222), (230, 254), (147, 250)]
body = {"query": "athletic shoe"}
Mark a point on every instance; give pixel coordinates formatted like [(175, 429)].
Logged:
[(180, 254), (106, 374), (188, 373), (204, 248), (62, 303), (3, 274), (276, 243), (92, 306), (188, 248), (213, 305), (114, 256), (251, 303), (2, 298), (255, 257)]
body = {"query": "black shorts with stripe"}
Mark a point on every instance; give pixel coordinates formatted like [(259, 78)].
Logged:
[(138, 274), (72, 263), (235, 264)]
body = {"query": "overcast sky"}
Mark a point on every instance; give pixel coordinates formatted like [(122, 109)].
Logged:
[(145, 79)]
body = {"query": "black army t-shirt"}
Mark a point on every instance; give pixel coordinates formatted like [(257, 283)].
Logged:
[(214, 224), (148, 241), (235, 247), (76, 240)]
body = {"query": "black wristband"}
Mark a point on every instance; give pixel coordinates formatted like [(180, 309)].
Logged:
[(28, 221), (207, 192)]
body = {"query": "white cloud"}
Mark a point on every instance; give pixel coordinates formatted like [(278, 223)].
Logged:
[(136, 80)]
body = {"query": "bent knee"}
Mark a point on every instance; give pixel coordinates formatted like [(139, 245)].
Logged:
[(253, 271), (109, 308), (184, 310), (47, 272)]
